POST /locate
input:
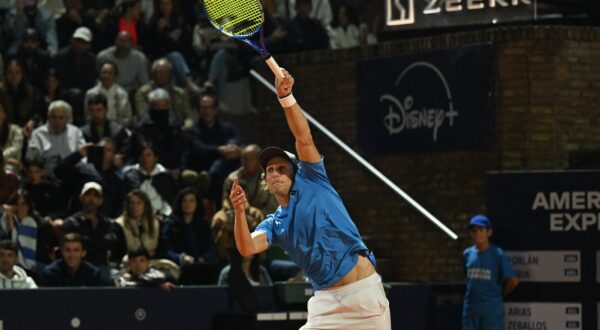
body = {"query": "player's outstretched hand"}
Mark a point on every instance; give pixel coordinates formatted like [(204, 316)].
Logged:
[(237, 197), (284, 86)]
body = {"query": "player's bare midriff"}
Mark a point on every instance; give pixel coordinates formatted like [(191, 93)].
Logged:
[(363, 269)]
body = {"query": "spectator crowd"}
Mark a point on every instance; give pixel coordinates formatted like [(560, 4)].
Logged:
[(116, 166)]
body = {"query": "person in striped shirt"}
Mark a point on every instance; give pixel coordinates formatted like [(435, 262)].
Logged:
[(19, 225)]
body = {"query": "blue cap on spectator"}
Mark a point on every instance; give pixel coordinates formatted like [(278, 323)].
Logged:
[(480, 221)]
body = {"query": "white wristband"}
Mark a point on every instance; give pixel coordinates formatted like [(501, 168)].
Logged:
[(287, 101)]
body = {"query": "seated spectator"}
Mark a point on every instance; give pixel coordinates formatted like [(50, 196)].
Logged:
[(109, 168), (221, 58), (22, 102), (27, 14), (222, 227), (304, 33), (139, 272), (141, 228), (249, 178), (131, 63), (345, 32), (44, 191), (130, 19), (104, 240), (161, 78), (153, 179), (189, 241), (160, 126), (34, 60), (119, 108), (11, 140), (57, 138), (72, 18), (19, 224), (51, 89), (168, 38), (320, 10), (100, 124), (213, 145), (71, 270), (9, 182), (76, 68), (250, 267), (11, 275), (104, 28)]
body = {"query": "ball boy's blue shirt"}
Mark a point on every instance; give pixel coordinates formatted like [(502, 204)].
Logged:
[(485, 271), (315, 228)]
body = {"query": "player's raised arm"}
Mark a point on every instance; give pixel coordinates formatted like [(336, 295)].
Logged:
[(247, 243), (305, 146)]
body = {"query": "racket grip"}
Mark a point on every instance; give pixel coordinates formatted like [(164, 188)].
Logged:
[(274, 67)]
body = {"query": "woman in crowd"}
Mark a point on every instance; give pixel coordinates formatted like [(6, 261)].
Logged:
[(189, 240)]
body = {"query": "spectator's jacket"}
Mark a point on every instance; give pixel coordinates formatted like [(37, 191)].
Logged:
[(180, 102), (162, 182), (165, 135), (106, 240), (112, 130), (194, 239), (57, 274), (20, 280), (203, 143), (76, 71), (17, 23)]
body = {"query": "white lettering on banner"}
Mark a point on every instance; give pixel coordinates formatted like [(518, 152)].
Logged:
[(568, 201), (540, 316), (401, 116), (546, 266)]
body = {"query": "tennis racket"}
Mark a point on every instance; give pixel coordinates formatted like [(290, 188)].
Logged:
[(241, 19)]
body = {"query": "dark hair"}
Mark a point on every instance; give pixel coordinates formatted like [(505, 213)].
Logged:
[(143, 145), (147, 209), (35, 161), (350, 14), (199, 96), (22, 193), (127, 4), (8, 64), (9, 245), (113, 64), (98, 99), (157, 13), (178, 209), (139, 252), (72, 238)]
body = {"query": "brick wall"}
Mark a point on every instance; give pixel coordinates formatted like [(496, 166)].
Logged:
[(547, 95)]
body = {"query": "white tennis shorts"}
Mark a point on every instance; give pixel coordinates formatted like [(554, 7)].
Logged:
[(359, 305)]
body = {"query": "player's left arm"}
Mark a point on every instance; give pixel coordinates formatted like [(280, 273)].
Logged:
[(510, 285), (305, 146)]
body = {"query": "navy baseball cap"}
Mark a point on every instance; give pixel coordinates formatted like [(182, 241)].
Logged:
[(271, 152), (480, 221)]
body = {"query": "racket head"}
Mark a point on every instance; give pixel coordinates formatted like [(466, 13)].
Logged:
[(235, 18)]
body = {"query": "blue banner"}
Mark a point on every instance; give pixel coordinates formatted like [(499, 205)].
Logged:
[(439, 100), (548, 223)]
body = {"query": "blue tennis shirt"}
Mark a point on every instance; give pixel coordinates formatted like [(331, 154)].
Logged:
[(485, 271), (315, 228)]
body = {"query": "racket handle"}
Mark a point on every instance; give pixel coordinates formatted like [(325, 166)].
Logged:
[(274, 67)]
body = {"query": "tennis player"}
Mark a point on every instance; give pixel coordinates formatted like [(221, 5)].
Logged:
[(313, 226)]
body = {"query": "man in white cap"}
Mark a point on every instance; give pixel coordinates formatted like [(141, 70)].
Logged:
[(102, 238), (76, 69)]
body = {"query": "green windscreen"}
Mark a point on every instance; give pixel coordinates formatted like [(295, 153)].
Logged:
[(240, 18)]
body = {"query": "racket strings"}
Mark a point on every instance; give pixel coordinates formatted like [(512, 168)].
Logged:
[(235, 17)]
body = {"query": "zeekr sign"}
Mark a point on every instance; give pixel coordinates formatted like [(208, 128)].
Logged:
[(419, 14)]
